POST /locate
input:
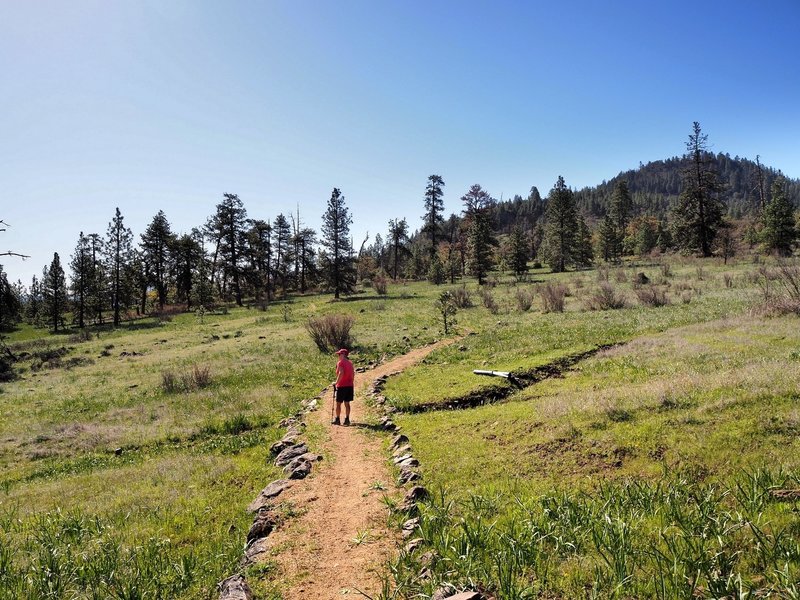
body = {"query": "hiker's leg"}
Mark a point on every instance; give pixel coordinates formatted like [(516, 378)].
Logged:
[(338, 409), (346, 410)]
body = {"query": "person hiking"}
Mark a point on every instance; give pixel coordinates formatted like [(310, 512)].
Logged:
[(343, 387)]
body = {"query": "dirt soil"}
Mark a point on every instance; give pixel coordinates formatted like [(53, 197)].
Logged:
[(340, 543)]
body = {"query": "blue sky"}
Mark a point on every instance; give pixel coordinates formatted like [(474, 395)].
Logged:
[(166, 105)]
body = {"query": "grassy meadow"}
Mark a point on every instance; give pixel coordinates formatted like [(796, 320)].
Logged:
[(648, 468), (664, 464)]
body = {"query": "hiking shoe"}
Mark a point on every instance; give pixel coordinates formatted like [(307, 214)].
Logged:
[(335, 421), (347, 421)]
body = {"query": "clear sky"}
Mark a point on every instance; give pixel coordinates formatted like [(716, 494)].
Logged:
[(167, 104)]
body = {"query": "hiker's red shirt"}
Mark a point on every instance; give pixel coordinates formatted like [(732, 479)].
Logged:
[(344, 373)]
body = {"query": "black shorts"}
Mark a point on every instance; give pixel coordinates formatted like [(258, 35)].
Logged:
[(344, 394)]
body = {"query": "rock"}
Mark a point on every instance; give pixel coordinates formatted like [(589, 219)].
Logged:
[(409, 462), (263, 524), (465, 596), (289, 422), (283, 444), (410, 500), (389, 425), (399, 440), (286, 456), (301, 471), (255, 551), (443, 592), (407, 476), (268, 493), (117, 451), (312, 406), (642, 279), (409, 527), (308, 457), (402, 450), (401, 458), (234, 588), (413, 545)]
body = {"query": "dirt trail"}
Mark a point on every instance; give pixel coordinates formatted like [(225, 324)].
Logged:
[(341, 542)]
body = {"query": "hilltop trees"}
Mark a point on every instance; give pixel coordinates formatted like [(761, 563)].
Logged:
[(619, 214), (699, 213), (434, 209), (338, 260), (518, 252), (80, 265), (226, 230)]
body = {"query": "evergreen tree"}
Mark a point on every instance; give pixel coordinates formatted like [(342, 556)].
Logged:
[(607, 239), (518, 252), (156, 243), (481, 239), (307, 238), (663, 237), (33, 304), (10, 303), (96, 282), (54, 292), (118, 256), (434, 207), (620, 211), (81, 267), (281, 236), (398, 240), (561, 227), (699, 213), (779, 232), (339, 267), (188, 254), (584, 253), (228, 229), (259, 251)]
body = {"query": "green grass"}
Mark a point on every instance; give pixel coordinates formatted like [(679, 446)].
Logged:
[(645, 470)]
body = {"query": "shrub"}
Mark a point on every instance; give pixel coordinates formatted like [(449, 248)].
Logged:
[(602, 273), (781, 289), (83, 335), (381, 284), (651, 295), (666, 269), (488, 301), (331, 332), (462, 297), (728, 279), (197, 378), (524, 298), (446, 309), (605, 298), (553, 295)]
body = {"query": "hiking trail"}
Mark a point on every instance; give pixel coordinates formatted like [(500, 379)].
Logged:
[(340, 542)]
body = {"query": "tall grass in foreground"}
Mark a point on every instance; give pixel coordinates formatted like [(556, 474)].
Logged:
[(70, 555), (670, 538)]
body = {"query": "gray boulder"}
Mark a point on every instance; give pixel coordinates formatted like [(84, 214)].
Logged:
[(268, 493), (286, 456), (234, 588)]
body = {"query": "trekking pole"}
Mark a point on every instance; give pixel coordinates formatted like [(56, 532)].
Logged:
[(333, 402)]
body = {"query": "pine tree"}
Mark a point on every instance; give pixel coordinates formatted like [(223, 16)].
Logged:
[(281, 243), (699, 213), (259, 252), (779, 232), (227, 230), (481, 239), (187, 252), (156, 243), (33, 304), (307, 238), (54, 292), (518, 252), (81, 267), (561, 228), (584, 253), (607, 239), (434, 207), (339, 267), (118, 256), (10, 303), (398, 240), (97, 288), (620, 212)]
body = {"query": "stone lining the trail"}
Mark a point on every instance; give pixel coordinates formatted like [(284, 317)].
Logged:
[(297, 462), (235, 588), (403, 458)]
